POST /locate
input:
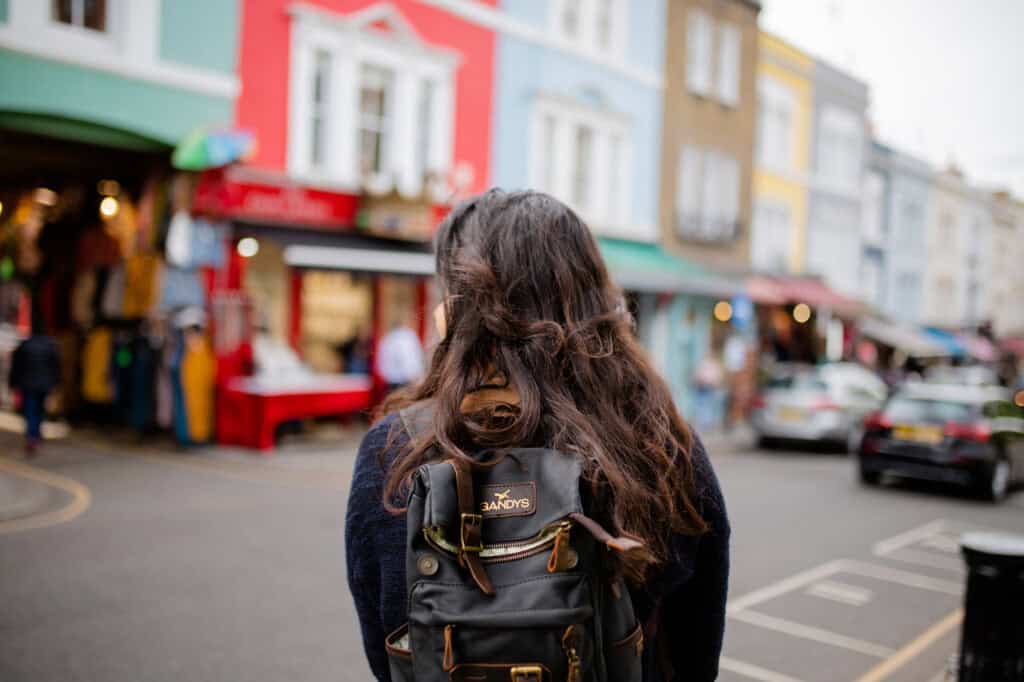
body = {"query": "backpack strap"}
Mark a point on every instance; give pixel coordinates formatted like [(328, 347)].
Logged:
[(470, 527), (416, 420)]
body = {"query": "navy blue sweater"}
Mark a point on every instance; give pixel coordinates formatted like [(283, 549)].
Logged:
[(692, 587)]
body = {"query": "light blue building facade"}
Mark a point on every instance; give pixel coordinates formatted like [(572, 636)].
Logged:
[(578, 108), (578, 113), (906, 184)]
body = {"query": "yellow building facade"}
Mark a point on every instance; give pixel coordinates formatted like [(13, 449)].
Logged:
[(782, 156)]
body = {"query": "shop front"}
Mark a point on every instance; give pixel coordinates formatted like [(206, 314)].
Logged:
[(681, 322), (327, 276), (85, 228), (802, 320)]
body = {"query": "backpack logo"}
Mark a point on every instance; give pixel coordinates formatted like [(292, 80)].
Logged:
[(509, 499)]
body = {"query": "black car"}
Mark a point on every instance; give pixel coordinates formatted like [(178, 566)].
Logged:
[(968, 435)]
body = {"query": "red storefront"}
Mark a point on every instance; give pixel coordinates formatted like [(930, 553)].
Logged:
[(370, 118)]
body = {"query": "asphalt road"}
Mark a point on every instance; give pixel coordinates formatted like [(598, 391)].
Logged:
[(166, 566)]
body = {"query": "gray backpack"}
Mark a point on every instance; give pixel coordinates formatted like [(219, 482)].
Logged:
[(508, 580)]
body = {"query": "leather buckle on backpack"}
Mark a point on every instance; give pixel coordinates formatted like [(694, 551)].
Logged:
[(468, 523), (527, 673)]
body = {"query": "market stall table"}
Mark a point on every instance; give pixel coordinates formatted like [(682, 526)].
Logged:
[(251, 408)]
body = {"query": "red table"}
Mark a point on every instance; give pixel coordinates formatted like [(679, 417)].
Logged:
[(249, 409)]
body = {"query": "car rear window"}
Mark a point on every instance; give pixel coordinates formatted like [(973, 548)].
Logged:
[(798, 382), (920, 410)]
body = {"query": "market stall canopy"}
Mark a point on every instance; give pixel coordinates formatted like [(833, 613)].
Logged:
[(640, 266), (947, 340), (907, 339), (779, 289), (978, 347), (1014, 345), (203, 149)]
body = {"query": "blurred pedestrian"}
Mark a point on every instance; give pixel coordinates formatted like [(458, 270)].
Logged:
[(709, 388), (537, 350), (35, 371), (400, 356)]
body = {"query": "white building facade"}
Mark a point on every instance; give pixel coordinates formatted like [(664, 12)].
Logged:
[(838, 158)]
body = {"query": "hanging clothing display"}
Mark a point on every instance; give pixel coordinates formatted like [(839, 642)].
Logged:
[(141, 284), (97, 249), (179, 240), (164, 382), (198, 374), (207, 247), (180, 288), (83, 293), (96, 359), (112, 303)]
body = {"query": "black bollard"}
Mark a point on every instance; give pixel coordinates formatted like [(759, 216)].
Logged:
[(992, 641)]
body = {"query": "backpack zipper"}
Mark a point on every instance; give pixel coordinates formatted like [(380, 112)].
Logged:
[(501, 551)]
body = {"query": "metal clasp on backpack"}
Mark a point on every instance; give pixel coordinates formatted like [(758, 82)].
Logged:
[(527, 673), (466, 521)]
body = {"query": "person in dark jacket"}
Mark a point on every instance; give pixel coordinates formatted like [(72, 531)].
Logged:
[(537, 349), (35, 371)]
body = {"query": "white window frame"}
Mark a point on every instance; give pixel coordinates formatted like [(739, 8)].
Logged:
[(554, 122), (840, 147), (128, 47), (707, 194), (873, 215), (700, 40), (776, 125), (586, 37), (771, 236), (352, 41), (78, 16), (729, 63)]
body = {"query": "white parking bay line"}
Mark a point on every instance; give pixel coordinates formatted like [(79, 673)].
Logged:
[(851, 595), (752, 671), (942, 543), (894, 575), (908, 538), (793, 629), (784, 586), (913, 556)]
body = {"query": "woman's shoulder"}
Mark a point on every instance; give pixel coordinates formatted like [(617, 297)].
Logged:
[(710, 500)]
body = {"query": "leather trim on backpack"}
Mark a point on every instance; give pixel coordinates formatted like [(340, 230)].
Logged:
[(496, 672), (391, 642), (635, 640)]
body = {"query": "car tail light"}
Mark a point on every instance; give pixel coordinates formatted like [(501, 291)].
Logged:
[(758, 403), (877, 421), (824, 403), (976, 431)]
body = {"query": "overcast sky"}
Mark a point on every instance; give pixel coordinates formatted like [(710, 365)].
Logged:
[(946, 76)]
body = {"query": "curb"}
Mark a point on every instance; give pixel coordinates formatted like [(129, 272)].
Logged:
[(21, 497)]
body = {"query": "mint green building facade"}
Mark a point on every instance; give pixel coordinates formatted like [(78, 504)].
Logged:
[(140, 76)]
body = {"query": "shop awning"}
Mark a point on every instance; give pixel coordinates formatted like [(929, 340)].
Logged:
[(907, 339), (776, 290), (947, 340), (1014, 345), (978, 347), (646, 267), (364, 260)]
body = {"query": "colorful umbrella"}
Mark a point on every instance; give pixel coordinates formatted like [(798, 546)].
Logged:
[(202, 149)]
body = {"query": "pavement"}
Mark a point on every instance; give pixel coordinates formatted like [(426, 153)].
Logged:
[(157, 564)]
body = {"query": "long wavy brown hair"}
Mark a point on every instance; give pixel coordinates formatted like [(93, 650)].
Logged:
[(528, 304)]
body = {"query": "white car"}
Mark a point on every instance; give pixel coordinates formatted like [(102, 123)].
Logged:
[(824, 404)]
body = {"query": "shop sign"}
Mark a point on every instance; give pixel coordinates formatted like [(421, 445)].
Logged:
[(397, 217), (276, 201)]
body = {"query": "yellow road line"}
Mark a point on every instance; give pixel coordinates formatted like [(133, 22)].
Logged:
[(914, 648), (81, 498)]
